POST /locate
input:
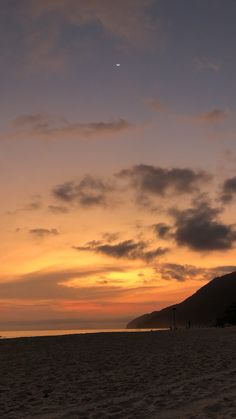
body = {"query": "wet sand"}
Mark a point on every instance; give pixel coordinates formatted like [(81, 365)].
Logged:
[(184, 375)]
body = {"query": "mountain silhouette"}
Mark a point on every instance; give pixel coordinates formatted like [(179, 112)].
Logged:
[(203, 308)]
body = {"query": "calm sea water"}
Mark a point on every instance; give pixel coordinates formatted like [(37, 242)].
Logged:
[(32, 333)]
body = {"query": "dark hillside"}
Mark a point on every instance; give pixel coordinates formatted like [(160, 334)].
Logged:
[(202, 308)]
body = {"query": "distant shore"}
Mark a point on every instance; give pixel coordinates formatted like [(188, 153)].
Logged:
[(181, 374)]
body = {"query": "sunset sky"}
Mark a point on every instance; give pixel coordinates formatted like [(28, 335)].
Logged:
[(118, 182)]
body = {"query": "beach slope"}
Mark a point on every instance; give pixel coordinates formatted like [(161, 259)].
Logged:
[(182, 374)]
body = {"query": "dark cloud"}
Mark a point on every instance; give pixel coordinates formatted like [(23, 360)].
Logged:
[(43, 232), (181, 273), (159, 181), (199, 228), (229, 190), (87, 192), (127, 249), (162, 230)]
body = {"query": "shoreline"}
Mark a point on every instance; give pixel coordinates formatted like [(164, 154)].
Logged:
[(25, 334), (12, 334)]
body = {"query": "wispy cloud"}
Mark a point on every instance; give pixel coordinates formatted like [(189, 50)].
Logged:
[(43, 51), (71, 285), (56, 284), (156, 105), (43, 126), (130, 21), (43, 232), (32, 206), (206, 64), (214, 116), (58, 209), (47, 27)]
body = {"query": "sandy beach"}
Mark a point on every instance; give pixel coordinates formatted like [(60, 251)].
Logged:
[(182, 374)]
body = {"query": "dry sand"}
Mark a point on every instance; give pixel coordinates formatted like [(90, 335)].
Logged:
[(183, 374)]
